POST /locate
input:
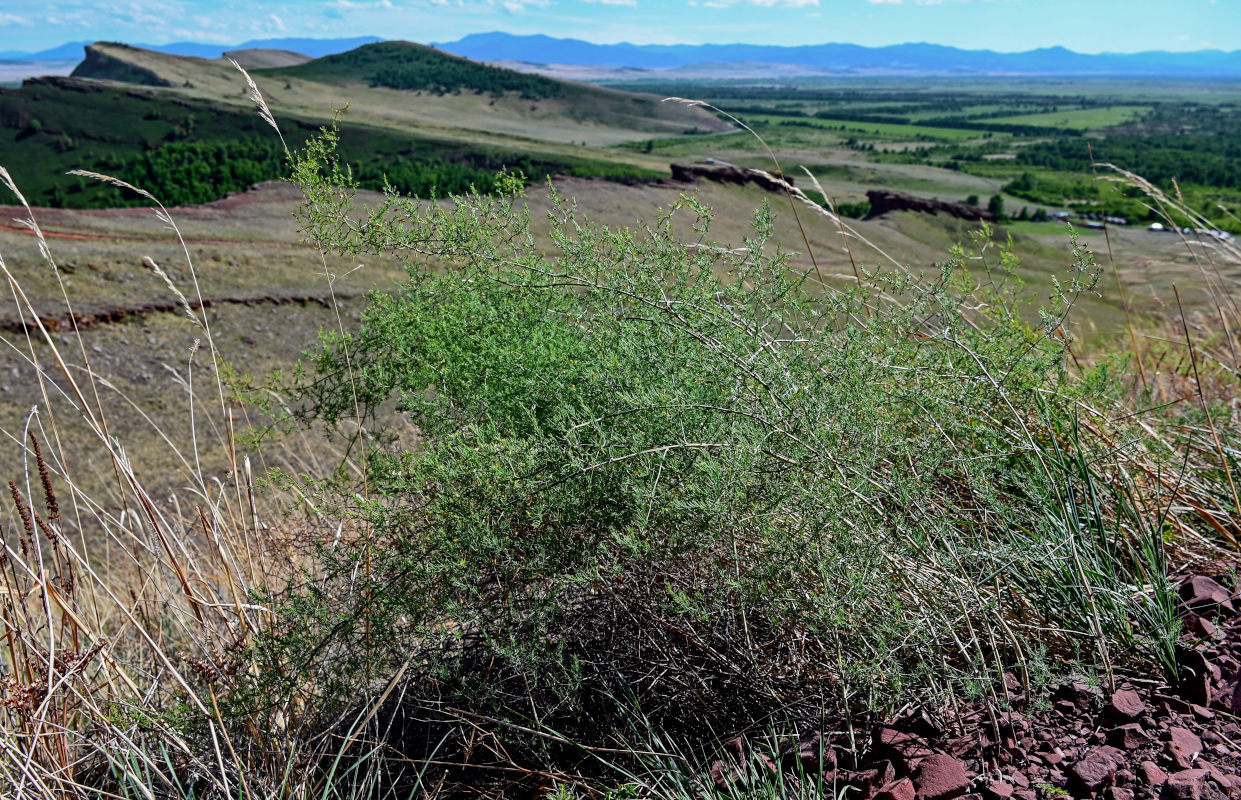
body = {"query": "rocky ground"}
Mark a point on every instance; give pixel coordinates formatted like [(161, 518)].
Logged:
[(1139, 741)]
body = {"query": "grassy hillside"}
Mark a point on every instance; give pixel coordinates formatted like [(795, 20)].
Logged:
[(257, 58), (405, 65), (195, 150), (407, 86), (422, 120)]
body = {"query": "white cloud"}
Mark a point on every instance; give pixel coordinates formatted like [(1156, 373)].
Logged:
[(73, 18), (932, 2), (761, 3), (13, 19), (200, 35), (354, 5), (517, 6), (613, 2)]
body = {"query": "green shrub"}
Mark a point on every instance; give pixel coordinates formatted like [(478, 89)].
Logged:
[(690, 475)]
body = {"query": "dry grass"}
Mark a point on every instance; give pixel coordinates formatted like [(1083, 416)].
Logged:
[(122, 612)]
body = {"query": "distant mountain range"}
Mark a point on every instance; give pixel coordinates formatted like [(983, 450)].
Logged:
[(847, 58), (834, 59)]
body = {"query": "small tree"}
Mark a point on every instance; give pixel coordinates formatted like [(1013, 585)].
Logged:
[(972, 200), (996, 206)]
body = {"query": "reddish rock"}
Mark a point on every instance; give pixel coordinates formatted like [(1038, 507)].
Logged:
[(1230, 700), (809, 755), (1201, 626), (883, 201), (724, 774), (727, 773), (868, 782), (1231, 784), (941, 777), (1117, 793), (718, 173), (1197, 674), (1082, 693), (1214, 773), (919, 722), (882, 775), (1128, 737), (902, 789), (1125, 705), (1152, 774), (1201, 592), (737, 766), (1185, 785), (1177, 704), (906, 749), (1096, 769), (1184, 747), (999, 790), (960, 746)]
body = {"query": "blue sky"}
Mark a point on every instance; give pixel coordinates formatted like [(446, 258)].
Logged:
[(1007, 25)]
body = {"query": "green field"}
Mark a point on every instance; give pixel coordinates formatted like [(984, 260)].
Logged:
[(903, 133), (1086, 119)]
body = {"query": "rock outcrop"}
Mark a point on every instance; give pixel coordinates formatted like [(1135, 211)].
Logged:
[(726, 173), (101, 65), (883, 201)]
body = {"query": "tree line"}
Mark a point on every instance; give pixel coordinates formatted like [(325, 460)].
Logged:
[(188, 173)]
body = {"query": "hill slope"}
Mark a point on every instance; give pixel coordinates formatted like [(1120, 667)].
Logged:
[(261, 58), (194, 150), (416, 88), (186, 129), (405, 65)]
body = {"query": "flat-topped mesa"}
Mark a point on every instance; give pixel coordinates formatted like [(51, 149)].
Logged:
[(101, 65), (726, 173), (883, 201)]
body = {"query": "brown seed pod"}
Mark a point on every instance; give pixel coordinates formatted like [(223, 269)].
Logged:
[(23, 510), (45, 476)]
